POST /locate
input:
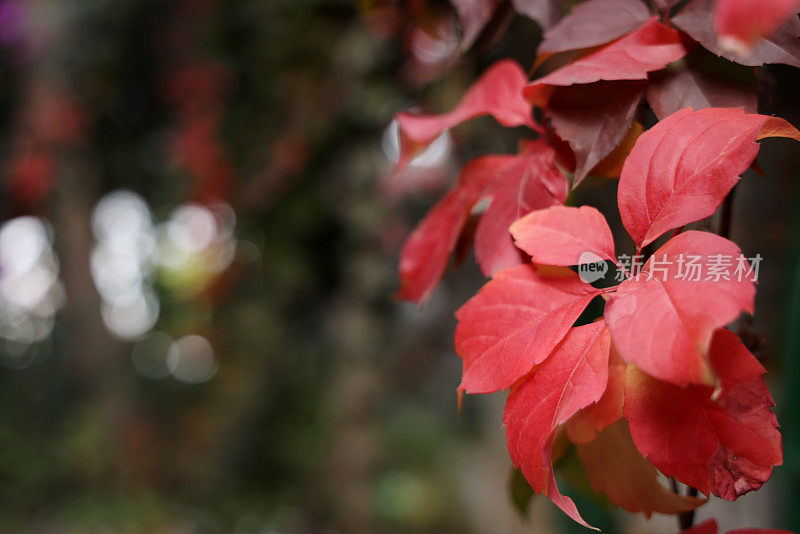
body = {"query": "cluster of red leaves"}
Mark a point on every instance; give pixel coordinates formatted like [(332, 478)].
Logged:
[(658, 383)]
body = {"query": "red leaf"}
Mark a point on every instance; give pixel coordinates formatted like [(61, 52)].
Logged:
[(534, 183), (611, 165), (474, 16), (681, 169), (685, 311), (561, 235), (593, 23), (593, 119), (651, 47), (573, 377), (497, 93), (710, 527), (545, 12), (617, 470), (666, 5), (585, 425), (758, 531), (427, 251), (724, 443), (689, 87), (706, 527), (742, 23), (514, 184), (782, 46), (515, 322)]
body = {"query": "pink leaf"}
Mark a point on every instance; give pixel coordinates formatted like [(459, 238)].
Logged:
[(681, 169), (651, 47), (497, 93), (741, 24), (663, 319), (724, 442), (593, 23), (561, 235), (515, 322), (573, 377), (782, 46)]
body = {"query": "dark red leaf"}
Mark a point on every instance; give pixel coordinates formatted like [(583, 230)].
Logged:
[(593, 119), (593, 23), (689, 87), (724, 442)]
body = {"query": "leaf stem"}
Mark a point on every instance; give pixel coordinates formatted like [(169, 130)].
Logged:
[(685, 519), (726, 215)]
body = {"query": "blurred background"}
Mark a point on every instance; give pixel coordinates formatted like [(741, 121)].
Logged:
[(198, 246)]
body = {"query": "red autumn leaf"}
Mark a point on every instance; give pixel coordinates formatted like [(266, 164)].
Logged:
[(782, 46), (681, 169), (617, 470), (593, 119), (740, 24), (611, 165), (675, 293), (724, 442), (651, 47), (427, 251), (497, 93), (687, 86), (758, 531), (710, 527), (534, 182), (514, 184), (584, 426), (593, 23), (666, 5), (574, 376), (474, 16), (515, 322), (706, 527), (545, 12), (561, 235)]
